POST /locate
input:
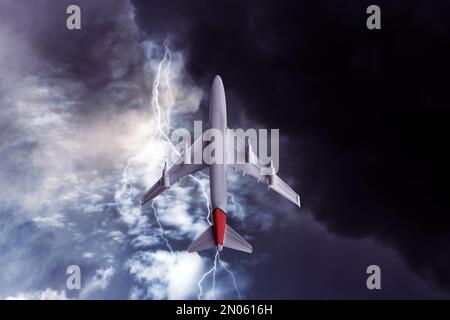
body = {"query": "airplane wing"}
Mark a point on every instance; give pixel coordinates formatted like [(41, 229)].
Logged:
[(238, 149), (176, 172)]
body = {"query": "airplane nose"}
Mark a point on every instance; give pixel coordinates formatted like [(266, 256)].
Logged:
[(217, 82)]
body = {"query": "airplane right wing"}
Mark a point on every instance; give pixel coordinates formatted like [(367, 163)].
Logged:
[(176, 172), (236, 148)]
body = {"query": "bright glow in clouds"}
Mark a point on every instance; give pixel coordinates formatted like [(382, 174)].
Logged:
[(167, 275)]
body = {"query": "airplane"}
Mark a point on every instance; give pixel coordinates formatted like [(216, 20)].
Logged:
[(220, 234)]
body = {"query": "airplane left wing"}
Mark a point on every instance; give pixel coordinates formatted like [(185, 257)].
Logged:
[(238, 149), (176, 172)]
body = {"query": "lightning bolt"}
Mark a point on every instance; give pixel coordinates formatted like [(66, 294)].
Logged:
[(212, 270), (126, 183), (161, 230), (155, 103), (231, 274), (155, 96), (163, 125), (217, 257), (127, 187), (161, 122), (237, 207), (205, 195)]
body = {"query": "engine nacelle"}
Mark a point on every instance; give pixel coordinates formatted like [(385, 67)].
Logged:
[(272, 174), (249, 155), (272, 179), (165, 177), (271, 169), (186, 154)]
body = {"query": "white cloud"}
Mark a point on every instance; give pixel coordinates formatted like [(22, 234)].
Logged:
[(99, 281), (175, 210), (51, 221), (166, 275), (88, 255), (47, 294)]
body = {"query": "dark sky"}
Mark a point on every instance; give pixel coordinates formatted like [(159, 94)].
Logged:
[(363, 118), (366, 111)]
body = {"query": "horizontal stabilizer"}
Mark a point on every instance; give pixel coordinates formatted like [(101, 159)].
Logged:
[(234, 241), (205, 241)]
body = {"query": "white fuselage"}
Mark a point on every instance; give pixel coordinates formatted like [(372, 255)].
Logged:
[(218, 120)]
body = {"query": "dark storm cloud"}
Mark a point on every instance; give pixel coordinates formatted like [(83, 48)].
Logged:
[(104, 58), (366, 111)]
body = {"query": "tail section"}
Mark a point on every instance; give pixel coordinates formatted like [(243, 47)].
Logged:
[(205, 241), (231, 240)]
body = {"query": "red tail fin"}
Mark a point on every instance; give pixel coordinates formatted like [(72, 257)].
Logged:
[(219, 223)]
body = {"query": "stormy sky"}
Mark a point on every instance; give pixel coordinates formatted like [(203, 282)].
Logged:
[(363, 124)]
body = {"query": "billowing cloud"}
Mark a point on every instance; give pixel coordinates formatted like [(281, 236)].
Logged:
[(99, 281), (47, 294), (166, 275)]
